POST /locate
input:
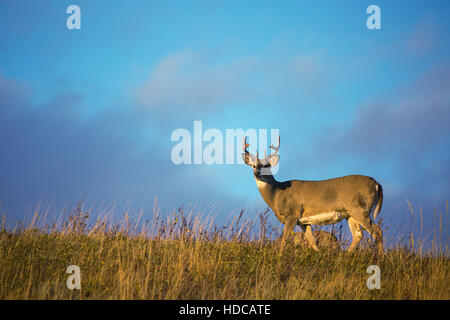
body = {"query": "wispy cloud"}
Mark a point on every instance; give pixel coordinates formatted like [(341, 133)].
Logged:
[(413, 118), (191, 80), (188, 85), (49, 151), (401, 139)]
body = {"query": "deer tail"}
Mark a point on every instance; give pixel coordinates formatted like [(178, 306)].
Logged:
[(379, 203)]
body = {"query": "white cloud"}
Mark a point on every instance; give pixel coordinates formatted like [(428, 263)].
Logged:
[(197, 82), (190, 80)]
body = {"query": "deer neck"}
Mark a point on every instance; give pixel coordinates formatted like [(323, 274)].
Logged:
[(267, 186)]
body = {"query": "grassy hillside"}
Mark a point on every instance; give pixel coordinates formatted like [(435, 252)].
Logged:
[(182, 258)]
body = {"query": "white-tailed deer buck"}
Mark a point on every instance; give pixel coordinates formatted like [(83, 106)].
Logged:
[(306, 203)]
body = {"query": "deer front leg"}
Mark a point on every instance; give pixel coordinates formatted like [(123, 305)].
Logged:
[(309, 236), (288, 228)]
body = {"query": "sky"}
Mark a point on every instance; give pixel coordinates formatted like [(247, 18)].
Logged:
[(87, 114)]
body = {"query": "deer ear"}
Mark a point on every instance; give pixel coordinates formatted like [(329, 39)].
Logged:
[(272, 160), (249, 159)]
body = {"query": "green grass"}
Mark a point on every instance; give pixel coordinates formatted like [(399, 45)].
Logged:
[(183, 257)]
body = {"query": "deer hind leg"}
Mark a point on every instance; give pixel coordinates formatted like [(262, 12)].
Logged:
[(372, 228), (309, 236), (356, 231)]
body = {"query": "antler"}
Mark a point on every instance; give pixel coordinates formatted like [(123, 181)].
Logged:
[(273, 147), (245, 145)]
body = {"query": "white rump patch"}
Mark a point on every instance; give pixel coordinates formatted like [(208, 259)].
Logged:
[(324, 218)]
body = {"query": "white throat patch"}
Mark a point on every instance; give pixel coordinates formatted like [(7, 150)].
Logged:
[(261, 184)]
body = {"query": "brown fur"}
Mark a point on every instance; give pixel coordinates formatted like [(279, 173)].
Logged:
[(354, 197)]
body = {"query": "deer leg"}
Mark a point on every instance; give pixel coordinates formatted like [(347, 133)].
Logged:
[(288, 228), (309, 236), (356, 233), (372, 228), (377, 235)]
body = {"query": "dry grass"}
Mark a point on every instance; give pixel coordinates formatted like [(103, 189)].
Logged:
[(187, 256)]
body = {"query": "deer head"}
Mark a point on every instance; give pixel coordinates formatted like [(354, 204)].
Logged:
[(261, 167)]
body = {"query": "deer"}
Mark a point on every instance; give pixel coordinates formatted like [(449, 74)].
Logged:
[(318, 202)]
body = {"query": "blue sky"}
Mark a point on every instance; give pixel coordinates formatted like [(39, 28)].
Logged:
[(89, 113)]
